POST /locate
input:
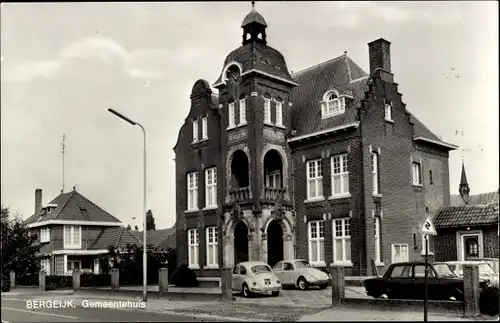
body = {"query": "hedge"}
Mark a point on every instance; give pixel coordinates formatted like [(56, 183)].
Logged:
[(183, 276), (27, 280), (53, 282), (488, 300), (91, 280)]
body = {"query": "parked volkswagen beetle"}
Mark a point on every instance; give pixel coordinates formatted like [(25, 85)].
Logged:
[(255, 277), (299, 273)]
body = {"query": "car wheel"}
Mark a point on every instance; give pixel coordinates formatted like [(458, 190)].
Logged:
[(323, 286), (246, 291), (276, 294), (302, 283)]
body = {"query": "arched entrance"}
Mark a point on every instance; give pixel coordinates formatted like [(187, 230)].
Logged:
[(274, 243), (240, 242)]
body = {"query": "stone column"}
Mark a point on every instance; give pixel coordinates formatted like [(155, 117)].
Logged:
[(41, 280), (263, 247), (12, 279), (338, 284), (251, 246), (227, 285), (229, 250), (115, 280), (287, 246), (162, 281), (76, 279), (471, 290)]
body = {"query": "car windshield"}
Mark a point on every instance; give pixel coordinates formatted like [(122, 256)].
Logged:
[(302, 264), (484, 269), (443, 270), (260, 269)]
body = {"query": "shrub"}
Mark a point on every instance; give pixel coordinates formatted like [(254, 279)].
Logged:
[(53, 282), (488, 300), (184, 277), (91, 280), (5, 283), (27, 279)]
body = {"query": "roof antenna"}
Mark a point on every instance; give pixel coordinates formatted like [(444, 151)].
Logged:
[(63, 152)]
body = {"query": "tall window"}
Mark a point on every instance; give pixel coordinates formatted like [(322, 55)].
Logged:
[(192, 184), (340, 175), (231, 115), (243, 112), (193, 242), (332, 106), (267, 110), (72, 237), (376, 235), (211, 187), (273, 179), (342, 241), (375, 173), (195, 130), (314, 179), (45, 265), (59, 265), (388, 111), (212, 257), (279, 113), (399, 253), (204, 129), (316, 242), (44, 235), (416, 180)]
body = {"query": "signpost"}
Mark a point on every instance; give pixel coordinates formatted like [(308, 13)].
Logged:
[(427, 229)]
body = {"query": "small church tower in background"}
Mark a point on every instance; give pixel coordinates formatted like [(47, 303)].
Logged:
[(464, 188)]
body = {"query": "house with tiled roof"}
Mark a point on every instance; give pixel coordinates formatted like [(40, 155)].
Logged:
[(158, 239), (325, 164), (470, 229), (74, 232)]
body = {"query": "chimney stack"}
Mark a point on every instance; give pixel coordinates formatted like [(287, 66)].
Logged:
[(38, 201), (380, 55)]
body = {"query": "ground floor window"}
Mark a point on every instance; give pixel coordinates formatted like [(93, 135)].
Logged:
[(74, 264), (212, 246), (193, 250), (59, 260), (400, 252), (316, 235), (341, 241)]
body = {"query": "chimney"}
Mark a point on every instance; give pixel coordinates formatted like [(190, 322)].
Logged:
[(380, 55), (38, 201)]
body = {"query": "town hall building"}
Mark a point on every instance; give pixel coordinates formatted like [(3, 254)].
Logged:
[(325, 164)]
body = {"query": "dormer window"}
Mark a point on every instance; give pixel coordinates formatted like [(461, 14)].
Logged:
[(332, 105), (49, 207)]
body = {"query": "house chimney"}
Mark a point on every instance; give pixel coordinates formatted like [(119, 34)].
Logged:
[(38, 201), (380, 55)]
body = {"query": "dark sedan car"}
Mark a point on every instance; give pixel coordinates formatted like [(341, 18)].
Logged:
[(406, 280)]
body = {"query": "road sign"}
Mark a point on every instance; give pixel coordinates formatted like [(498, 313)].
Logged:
[(428, 227)]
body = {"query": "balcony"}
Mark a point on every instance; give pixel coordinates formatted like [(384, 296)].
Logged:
[(240, 194), (273, 193)]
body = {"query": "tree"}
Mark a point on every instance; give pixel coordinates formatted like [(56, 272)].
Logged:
[(150, 221), (129, 227), (19, 248)]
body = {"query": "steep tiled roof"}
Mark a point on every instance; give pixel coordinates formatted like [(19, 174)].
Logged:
[(116, 236), (467, 215), (484, 198), (253, 16), (163, 238), (73, 206)]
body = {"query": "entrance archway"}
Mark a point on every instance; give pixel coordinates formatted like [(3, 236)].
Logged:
[(240, 243), (274, 243)]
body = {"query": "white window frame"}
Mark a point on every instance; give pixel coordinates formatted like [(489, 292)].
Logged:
[(388, 111), (60, 261), (320, 239), (279, 113), (375, 175), (377, 240), (195, 130), (416, 173), (72, 237), (243, 112), (204, 129), (332, 105), (393, 252), (340, 175), (267, 111), (212, 247), (345, 235), (211, 187), (73, 262), (45, 265), (276, 179), (231, 115), (192, 191), (314, 174), (45, 235), (193, 249)]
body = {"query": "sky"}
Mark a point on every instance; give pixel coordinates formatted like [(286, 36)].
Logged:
[(64, 64)]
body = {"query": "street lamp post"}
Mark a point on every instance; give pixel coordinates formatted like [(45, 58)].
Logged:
[(144, 244)]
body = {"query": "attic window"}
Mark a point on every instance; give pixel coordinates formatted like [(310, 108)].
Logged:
[(49, 207), (332, 104), (83, 209)]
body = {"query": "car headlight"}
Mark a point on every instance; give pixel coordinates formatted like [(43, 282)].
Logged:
[(278, 282), (309, 277)]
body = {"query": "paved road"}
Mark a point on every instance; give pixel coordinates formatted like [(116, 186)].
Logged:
[(15, 311)]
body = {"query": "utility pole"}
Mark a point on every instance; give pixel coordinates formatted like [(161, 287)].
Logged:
[(63, 152)]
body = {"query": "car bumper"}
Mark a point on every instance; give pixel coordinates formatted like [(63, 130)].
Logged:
[(319, 282), (265, 290)]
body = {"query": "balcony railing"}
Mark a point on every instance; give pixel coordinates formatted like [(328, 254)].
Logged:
[(274, 194), (240, 194)]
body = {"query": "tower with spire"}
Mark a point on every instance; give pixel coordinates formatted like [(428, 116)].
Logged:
[(464, 188)]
